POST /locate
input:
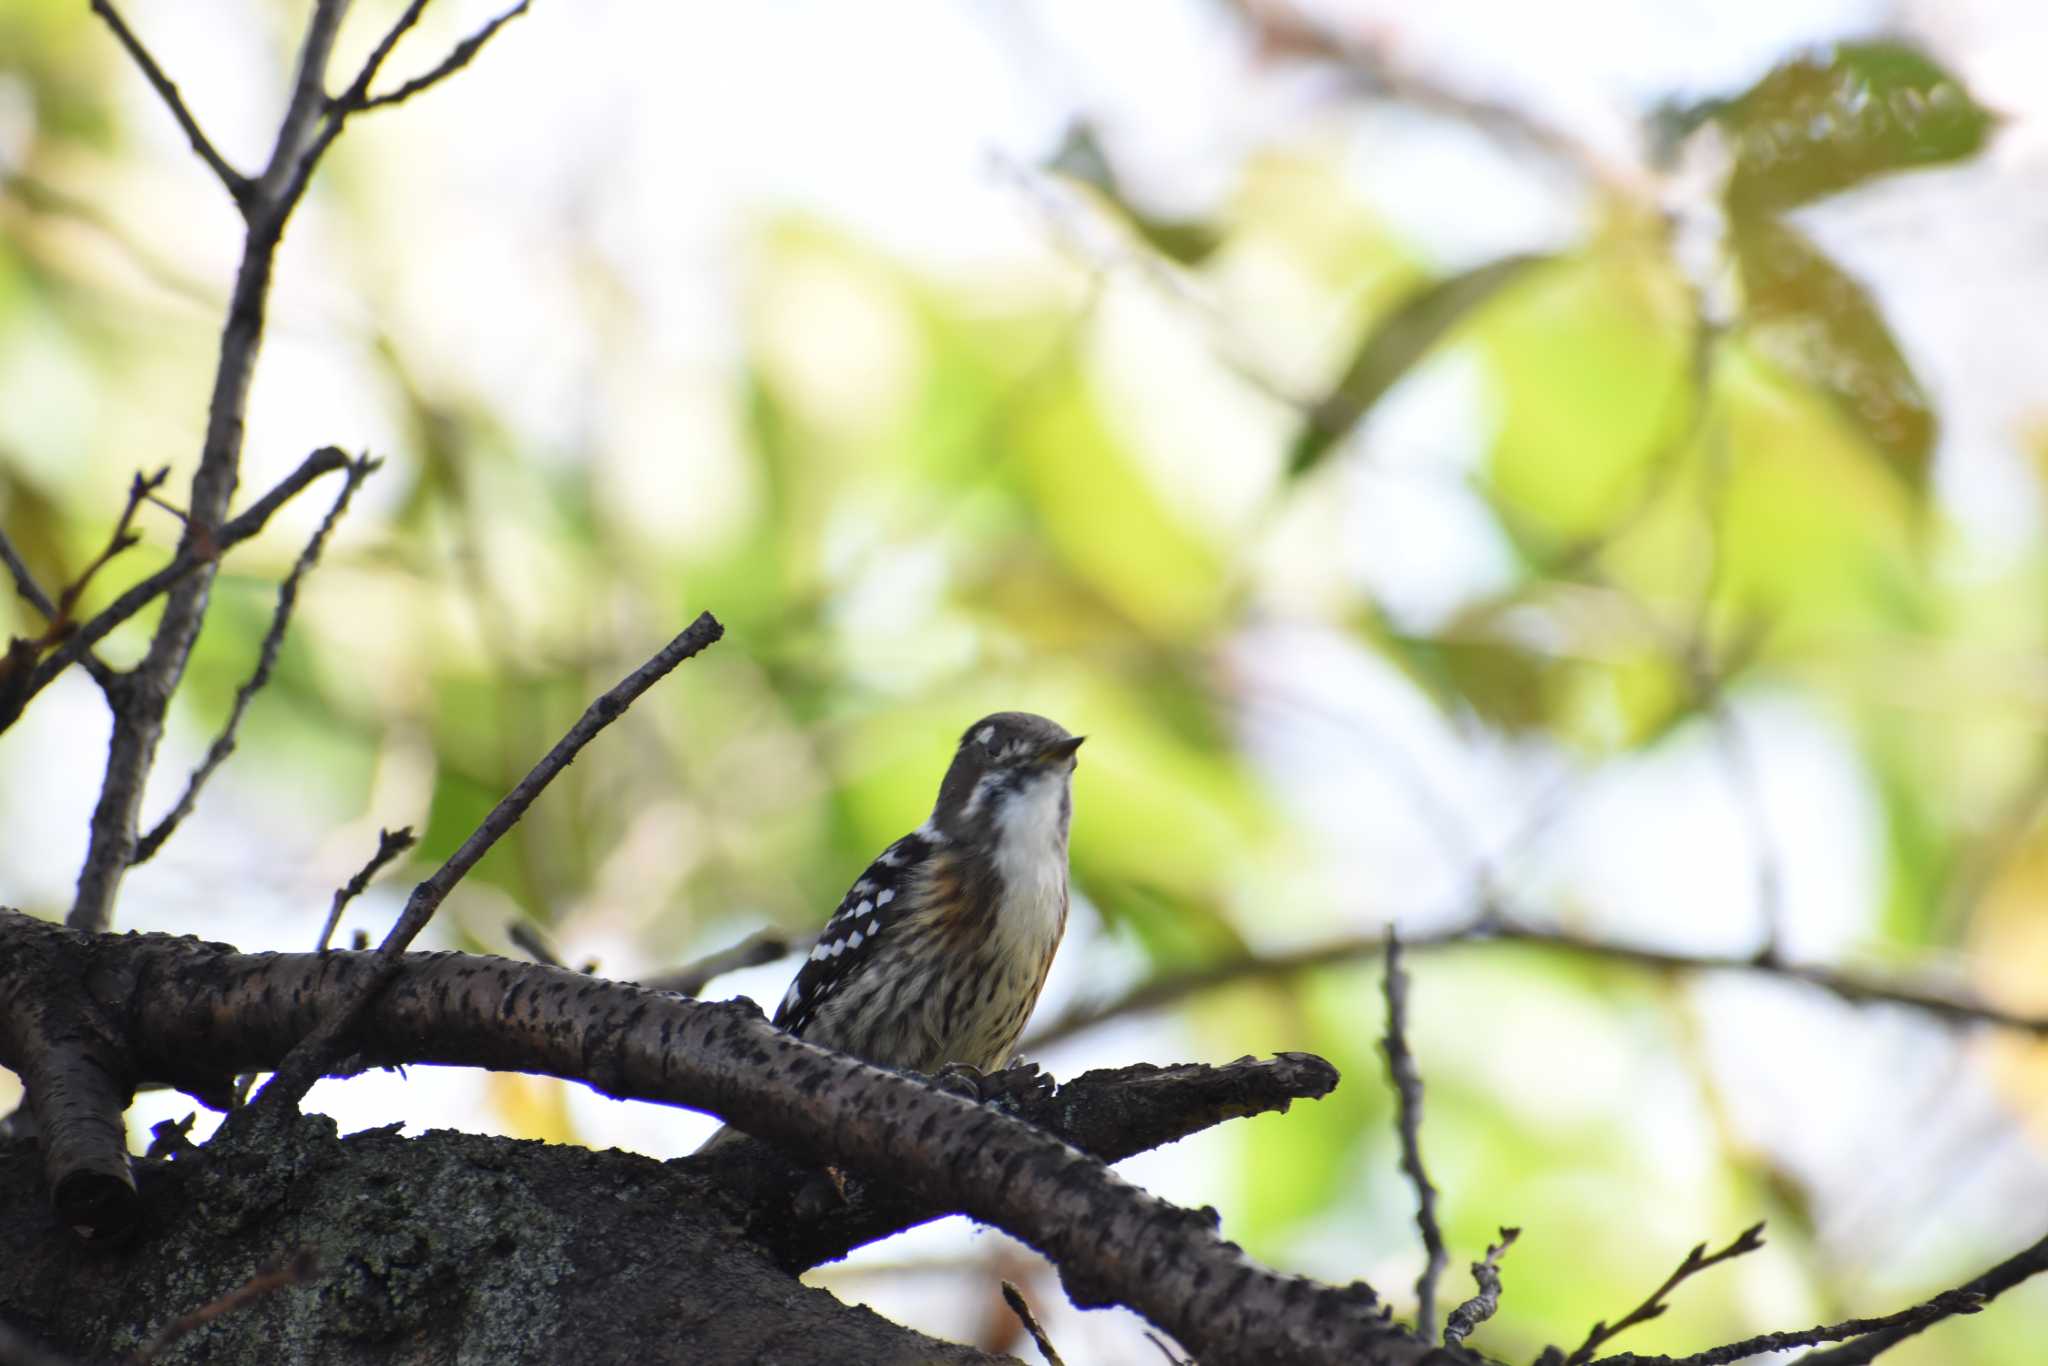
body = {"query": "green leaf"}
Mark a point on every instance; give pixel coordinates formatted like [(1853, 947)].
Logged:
[(1186, 241), (1393, 346), (1821, 124), (1808, 316)]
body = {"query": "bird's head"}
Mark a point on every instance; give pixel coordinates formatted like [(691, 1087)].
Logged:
[(1009, 775)]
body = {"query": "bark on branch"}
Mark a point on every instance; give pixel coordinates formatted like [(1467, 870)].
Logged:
[(193, 1014)]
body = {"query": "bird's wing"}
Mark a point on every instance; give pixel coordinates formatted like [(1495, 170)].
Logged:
[(877, 899)]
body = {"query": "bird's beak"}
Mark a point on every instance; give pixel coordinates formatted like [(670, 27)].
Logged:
[(1060, 749)]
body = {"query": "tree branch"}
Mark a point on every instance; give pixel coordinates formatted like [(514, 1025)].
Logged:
[(390, 844), (1111, 1114), (140, 703), (1856, 988), (252, 520), (2029, 1262), (1460, 1322), (764, 946), (306, 1063), (1407, 1082), (1696, 1261), (461, 55), (195, 1012), (266, 660), (236, 183)]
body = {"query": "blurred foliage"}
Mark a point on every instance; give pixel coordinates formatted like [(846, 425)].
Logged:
[(915, 498)]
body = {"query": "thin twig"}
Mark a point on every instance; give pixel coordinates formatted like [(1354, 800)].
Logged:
[(460, 56), (25, 582), (1170, 989), (21, 653), (333, 113), (2028, 1262), (1407, 1083), (1014, 1297), (1696, 1261), (266, 660), (763, 946), (1944, 1305), (1458, 1325), (310, 1058), (323, 461), (236, 183), (300, 1267), (390, 844), (140, 489)]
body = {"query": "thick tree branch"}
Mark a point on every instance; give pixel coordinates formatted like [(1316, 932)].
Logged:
[(236, 183), (310, 1059), (193, 1012), (75, 1072), (223, 745), (1110, 1114)]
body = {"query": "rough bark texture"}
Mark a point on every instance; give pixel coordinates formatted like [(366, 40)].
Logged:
[(194, 1014), (447, 1248)]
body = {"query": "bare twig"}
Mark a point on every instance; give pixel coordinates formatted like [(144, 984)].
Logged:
[(1014, 1297), (236, 183), (1407, 1081), (390, 844), (306, 1062), (300, 1267), (2029, 1262), (1460, 1322), (763, 946), (266, 660), (1947, 1303), (252, 520), (458, 57), (144, 697), (1858, 988), (140, 489), (21, 653), (1696, 1261), (25, 582)]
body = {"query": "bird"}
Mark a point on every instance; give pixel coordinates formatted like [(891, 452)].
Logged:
[(937, 953)]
